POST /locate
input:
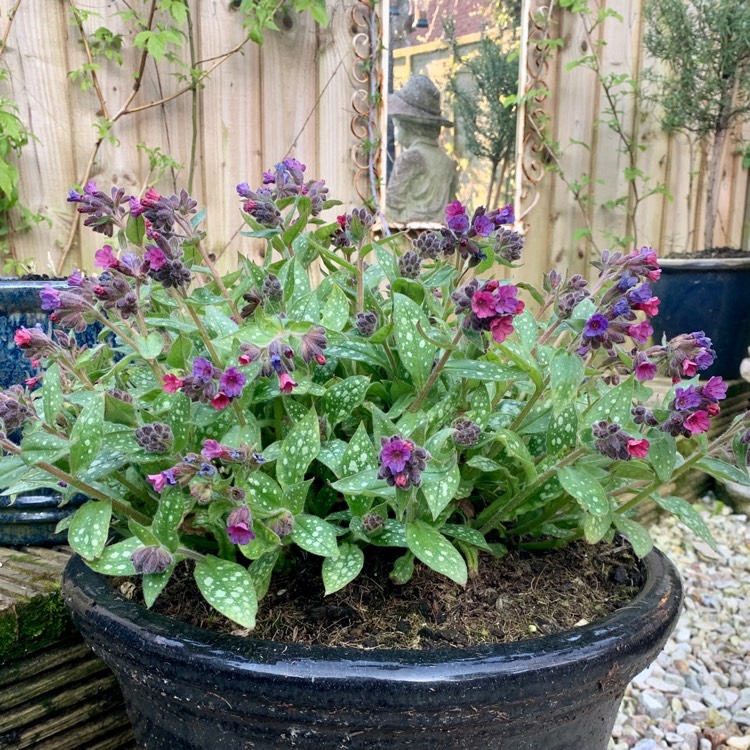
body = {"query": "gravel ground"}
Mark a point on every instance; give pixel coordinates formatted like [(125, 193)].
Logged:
[(696, 696)]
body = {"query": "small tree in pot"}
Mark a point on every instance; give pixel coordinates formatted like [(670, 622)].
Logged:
[(703, 84)]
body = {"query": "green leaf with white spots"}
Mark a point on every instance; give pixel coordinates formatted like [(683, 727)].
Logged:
[(416, 354), (43, 446), (168, 517), (387, 261), (143, 534), (179, 420), (261, 571), (228, 588), (434, 550), (52, 394), (688, 515), (344, 397), (595, 528), (153, 584), (365, 483), (359, 454), (467, 535), (115, 559), (301, 446), (662, 453), (294, 409), (335, 313), (438, 492), (103, 465), (526, 327), (483, 464), (479, 369), (89, 528), (315, 535), (295, 496), (481, 406), (179, 353), (636, 534), (585, 489), (331, 454), (723, 471), (403, 569), (518, 449), (262, 491), (265, 541), (382, 425), (563, 430), (149, 347), (566, 374), (338, 571), (614, 405), (392, 535), (86, 435)]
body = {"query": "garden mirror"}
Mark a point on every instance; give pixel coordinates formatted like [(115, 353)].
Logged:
[(453, 69)]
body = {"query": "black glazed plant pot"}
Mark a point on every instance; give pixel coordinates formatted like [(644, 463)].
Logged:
[(711, 295), (32, 518), (187, 688)]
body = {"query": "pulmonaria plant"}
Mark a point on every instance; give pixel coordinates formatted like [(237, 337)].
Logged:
[(413, 404)]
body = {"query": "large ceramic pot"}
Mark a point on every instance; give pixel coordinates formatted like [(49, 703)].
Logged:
[(711, 295), (32, 518), (186, 688)]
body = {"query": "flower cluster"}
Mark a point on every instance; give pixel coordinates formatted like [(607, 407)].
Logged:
[(489, 306), (398, 402)]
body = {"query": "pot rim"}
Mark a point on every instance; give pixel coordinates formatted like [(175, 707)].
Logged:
[(96, 605), (705, 264)]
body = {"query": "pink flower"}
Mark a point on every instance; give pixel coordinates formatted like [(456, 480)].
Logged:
[(220, 401), (106, 258), (240, 526), (31, 382), (483, 304), (638, 448), (650, 306), (172, 384), (22, 337), (158, 480), (286, 383), (713, 409), (698, 422), (645, 370), (454, 209), (640, 332), (150, 198), (402, 481), (689, 367), (654, 275), (155, 257), (213, 449), (501, 328)]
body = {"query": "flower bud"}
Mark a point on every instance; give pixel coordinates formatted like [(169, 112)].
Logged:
[(149, 560)]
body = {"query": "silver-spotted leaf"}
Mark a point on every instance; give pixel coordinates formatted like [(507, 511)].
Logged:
[(338, 571), (228, 588)]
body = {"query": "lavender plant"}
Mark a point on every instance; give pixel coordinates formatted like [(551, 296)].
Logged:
[(410, 400)]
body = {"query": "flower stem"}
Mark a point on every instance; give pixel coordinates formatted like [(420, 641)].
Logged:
[(427, 387)]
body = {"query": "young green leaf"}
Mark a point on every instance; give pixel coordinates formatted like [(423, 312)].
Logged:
[(614, 405), (263, 491), (585, 489), (300, 447), (115, 559), (688, 515), (89, 528), (168, 517), (153, 584), (179, 420), (566, 374), (315, 535), (52, 395), (596, 527), (228, 588), (344, 397), (335, 312), (86, 435), (438, 492), (435, 551), (662, 453), (261, 570), (338, 571), (563, 430), (636, 534), (416, 354)]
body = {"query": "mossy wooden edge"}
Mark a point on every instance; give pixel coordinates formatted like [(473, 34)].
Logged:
[(32, 614)]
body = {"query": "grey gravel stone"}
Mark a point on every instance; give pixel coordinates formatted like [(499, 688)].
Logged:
[(696, 695)]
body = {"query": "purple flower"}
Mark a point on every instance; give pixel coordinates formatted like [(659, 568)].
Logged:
[(106, 258), (203, 370), (459, 223), (312, 345), (136, 207), (483, 225), (75, 278), (240, 526), (504, 216), (231, 382), (704, 359), (686, 398), (702, 340), (244, 190), (621, 307), (395, 453), (640, 295), (715, 389), (155, 257), (645, 370), (596, 327), (507, 303), (627, 281), (50, 298)]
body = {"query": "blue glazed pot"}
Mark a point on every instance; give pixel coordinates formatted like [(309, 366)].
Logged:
[(32, 518), (191, 689), (711, 295)]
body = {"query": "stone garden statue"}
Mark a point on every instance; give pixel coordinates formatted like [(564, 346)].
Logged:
[(424, 178)]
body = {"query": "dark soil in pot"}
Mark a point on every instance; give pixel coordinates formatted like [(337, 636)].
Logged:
[(523, 595), (189, 688)]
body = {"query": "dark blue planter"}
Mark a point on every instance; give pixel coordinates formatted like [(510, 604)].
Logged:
[(191, 689), (31, 520), (711, 295)]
